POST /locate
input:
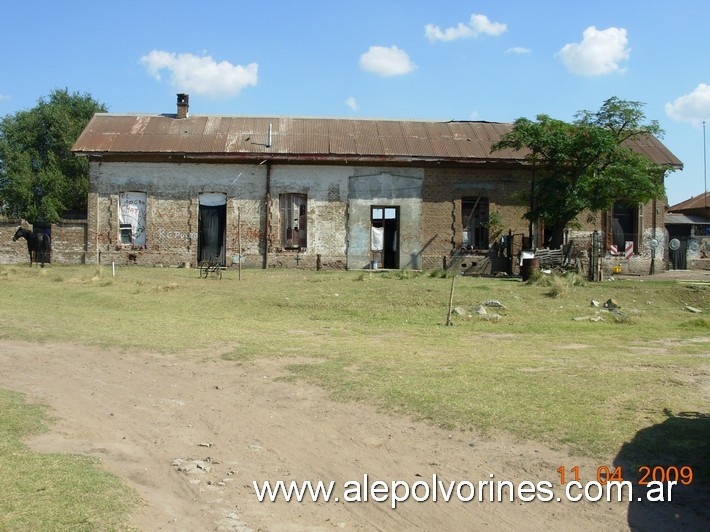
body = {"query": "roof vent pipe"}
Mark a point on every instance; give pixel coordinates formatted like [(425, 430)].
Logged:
[(183, 105)]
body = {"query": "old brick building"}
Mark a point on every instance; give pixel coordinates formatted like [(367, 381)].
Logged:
[(286, 192)]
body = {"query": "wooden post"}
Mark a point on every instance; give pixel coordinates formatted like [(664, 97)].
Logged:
[(451, 301)]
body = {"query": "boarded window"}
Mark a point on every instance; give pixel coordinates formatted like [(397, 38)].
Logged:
[(294, 221), (132, 218), (474, 217)]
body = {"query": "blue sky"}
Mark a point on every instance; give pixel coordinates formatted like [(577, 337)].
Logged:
[(461, 60)]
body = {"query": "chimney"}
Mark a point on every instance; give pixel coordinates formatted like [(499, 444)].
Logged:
[(183, 105)]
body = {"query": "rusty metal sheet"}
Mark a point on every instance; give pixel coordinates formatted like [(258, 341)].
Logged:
[(695, 202), (367, 138), (416, 130), (652, 148), (392, 138), (341, 137), (309, 137)]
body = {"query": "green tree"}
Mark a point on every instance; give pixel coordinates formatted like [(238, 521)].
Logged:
[(40, 177), (586, 165)]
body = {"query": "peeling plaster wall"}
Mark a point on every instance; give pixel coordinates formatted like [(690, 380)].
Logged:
[(172, 192), (338, 211), (326, 190)]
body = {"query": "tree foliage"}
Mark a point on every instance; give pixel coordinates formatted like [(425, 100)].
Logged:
[(40, 177), (586, 165)]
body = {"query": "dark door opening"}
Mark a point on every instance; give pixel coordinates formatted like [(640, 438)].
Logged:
[(678, 236), (211, 233), (624, 225), (385, 224)]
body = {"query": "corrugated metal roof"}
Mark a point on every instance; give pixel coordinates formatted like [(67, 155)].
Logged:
[(701, 201), (325, 138)]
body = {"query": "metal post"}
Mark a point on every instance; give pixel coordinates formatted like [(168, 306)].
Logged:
[(509, 252), (705, 169)]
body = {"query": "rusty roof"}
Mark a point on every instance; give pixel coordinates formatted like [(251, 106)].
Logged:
[(701, 201), (327, 139)]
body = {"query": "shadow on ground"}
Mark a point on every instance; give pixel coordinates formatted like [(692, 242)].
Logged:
[(681, 440)]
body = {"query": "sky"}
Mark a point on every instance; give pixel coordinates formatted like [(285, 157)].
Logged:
[(495, 60)]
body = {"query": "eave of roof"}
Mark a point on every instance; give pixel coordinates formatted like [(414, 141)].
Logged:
[(685, 219)]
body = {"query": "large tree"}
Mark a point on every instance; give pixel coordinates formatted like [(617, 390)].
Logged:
[(586, 165), (40, 178)]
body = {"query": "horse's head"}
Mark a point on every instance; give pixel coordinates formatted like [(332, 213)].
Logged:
[(18, 234)]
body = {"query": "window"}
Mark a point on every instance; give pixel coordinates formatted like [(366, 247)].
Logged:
[(474, 217), (132, 218), (126, 234), (293, 221)]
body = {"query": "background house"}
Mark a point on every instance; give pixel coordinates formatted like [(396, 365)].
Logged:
[(688, 225)]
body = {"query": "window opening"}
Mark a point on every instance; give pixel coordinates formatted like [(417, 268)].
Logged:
[(474, 216), (126, 234), (294, 221)]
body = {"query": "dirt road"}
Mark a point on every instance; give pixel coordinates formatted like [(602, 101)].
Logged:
[(191, 433)]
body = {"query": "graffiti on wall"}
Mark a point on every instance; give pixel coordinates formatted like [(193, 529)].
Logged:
[(176, 235)]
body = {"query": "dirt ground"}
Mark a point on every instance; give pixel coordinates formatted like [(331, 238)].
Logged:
[(190, 433)]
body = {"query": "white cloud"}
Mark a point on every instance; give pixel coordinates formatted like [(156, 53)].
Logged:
[(693, 108), (5, 97), (477, 25), (518, 50), (386, 62), (200, 75), (352, 103), (599, 53)]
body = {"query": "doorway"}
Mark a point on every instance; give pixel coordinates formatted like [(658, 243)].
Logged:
[(385, 236), (212, 225)]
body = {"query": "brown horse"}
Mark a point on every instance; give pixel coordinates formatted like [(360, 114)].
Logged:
[(38, 245)]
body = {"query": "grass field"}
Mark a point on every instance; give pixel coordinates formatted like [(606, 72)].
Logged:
[(536, 372)]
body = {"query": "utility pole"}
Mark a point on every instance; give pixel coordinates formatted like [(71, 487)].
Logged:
[(705, 169)]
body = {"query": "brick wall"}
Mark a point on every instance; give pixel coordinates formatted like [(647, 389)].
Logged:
[(68, 242), (12, 252), (442, 220)]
